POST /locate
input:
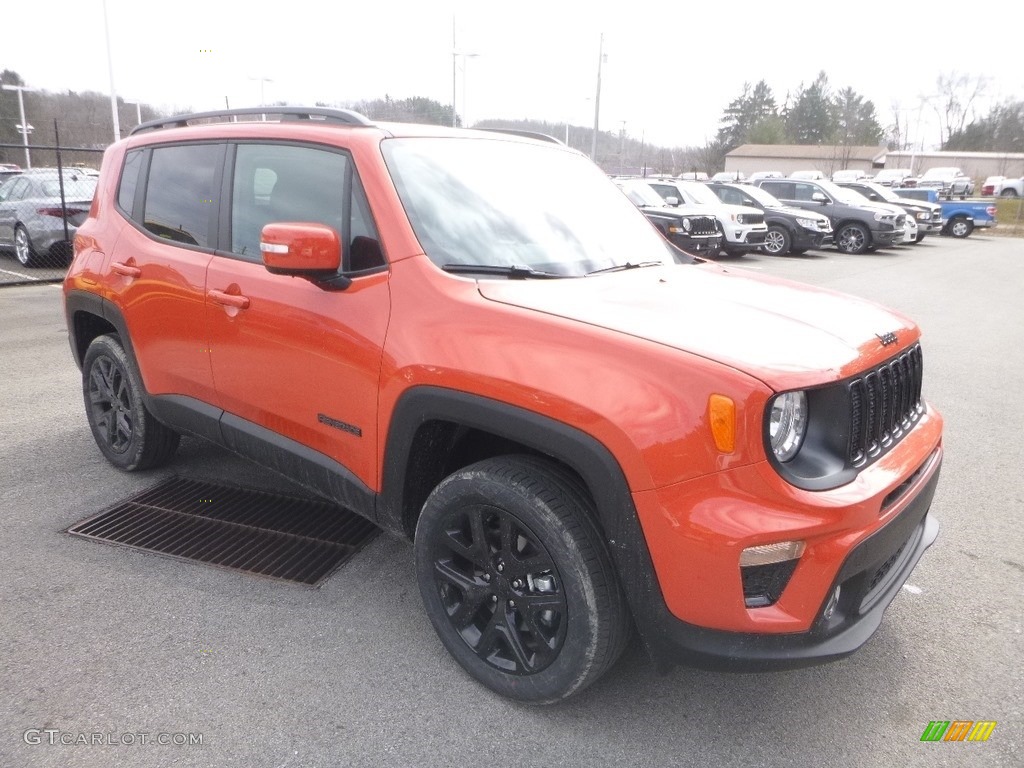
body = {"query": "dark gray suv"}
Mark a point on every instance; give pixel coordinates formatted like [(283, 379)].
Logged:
[(859, 225)]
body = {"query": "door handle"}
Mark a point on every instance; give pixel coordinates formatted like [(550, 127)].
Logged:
[(124, 269), (228, 299)]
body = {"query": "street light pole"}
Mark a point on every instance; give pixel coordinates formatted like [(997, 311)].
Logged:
[(25, 128), (110, 70), (597, 99)]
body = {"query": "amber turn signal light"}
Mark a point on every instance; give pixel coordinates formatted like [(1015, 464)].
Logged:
[(722, 416)]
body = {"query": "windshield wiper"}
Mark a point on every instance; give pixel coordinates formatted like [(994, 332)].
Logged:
[(515, 272), (627, 265)]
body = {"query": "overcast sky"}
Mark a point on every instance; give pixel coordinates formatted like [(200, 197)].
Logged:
[(671, 67)]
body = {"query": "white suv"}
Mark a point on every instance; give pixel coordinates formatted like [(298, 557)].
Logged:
[(743, 227)]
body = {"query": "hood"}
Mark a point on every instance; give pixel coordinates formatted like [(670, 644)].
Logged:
[(686, 209), (890, 209), (786, 334), (803, 213)]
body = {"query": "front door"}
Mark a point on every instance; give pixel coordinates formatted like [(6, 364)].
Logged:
[(289, 355)]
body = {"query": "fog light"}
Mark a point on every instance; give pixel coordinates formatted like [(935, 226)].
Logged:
[(830, 607), (766, 570)]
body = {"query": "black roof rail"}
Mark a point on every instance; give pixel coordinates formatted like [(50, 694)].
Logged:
[(341, 116), (525, 134)]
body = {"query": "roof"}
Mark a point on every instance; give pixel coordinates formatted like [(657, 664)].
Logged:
[(809, 151)]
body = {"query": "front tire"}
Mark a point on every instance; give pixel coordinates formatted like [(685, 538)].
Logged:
[(853, 239), (517, 580), (23, 249), (126, 432), (777, 242), (960, 227)]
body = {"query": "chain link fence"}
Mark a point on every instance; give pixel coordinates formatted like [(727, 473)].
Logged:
[(45, 193)]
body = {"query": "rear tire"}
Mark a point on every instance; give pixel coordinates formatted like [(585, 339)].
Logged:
[(125, 431), (23, 249), (960, 227), (1008, 193), (517, 580)]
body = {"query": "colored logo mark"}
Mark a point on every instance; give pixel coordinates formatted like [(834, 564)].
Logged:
[(958, 730)]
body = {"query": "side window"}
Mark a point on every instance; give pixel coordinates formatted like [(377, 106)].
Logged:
[(729, 196), (805, 192), (19, 189), (780, 189), (284, 183), (129, 181), (180, 194)]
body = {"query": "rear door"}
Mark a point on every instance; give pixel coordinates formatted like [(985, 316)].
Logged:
[(157, 269), (289, 356)]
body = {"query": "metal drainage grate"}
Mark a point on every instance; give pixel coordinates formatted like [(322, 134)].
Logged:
[(284, 537)]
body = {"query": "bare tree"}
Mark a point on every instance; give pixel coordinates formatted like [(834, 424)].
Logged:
[(956, 96)]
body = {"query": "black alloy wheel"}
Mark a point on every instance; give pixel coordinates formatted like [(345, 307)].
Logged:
[(853, 238), (500, 589), (517, 580), (125, 431)]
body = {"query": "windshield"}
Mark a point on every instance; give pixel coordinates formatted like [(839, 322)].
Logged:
[(641, 193), (884, 192), (841, 194), (700, 193), (506, 203)]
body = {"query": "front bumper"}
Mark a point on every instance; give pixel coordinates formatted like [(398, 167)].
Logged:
[(806, 239), (709, 244), (743, 242), (865, 538), (882, 238)]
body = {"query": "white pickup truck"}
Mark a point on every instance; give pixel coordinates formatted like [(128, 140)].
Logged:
[(1011, 188)]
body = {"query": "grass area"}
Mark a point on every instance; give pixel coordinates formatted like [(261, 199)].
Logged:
[(1009, 217)]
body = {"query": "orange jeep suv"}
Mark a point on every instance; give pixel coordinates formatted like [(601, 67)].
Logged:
[(475, 340)]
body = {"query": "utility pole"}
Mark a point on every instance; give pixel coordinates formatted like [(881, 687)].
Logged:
[(25, 128), (597, 100)]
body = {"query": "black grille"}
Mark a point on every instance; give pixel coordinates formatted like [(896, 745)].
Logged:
[(703, 225), (884, 404)]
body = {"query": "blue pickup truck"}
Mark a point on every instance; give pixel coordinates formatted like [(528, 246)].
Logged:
[(959, 217)]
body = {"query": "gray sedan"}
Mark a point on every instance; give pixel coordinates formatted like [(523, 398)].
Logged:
[(32, 216)]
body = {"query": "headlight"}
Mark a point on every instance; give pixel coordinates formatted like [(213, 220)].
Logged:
[(808, 223), (687, 225), (923, 215), (881, 216), (787, 424)]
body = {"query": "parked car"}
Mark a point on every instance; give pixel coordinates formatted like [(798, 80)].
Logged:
[(743, 227), (927, 194), (32, 217), (951, 182), (991, 186), (693, 176), (859, 225), (849, 175), (790, 230), (728, 176), (928, 216), (891, 177), (695, 229), (910, 233), (807, 175), (582, 431), (7, 170), (765, 175), (1011, 188)]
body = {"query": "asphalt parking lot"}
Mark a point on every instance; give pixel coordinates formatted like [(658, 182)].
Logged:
[(103, 640)]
